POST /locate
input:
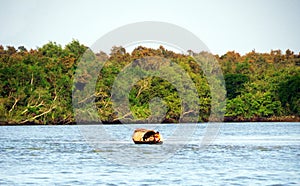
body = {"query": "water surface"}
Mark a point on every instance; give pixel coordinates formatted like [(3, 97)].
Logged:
[(242, 154)]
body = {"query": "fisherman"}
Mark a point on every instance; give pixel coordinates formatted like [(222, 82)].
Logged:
[(157, 137)]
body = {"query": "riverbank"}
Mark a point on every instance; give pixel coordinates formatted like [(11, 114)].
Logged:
[(226, 119), (262, 119)]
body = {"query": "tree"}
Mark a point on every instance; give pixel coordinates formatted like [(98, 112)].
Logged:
[(235, 84), (289, 94)]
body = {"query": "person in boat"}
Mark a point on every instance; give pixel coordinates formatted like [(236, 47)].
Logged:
[(157, 137), (149, 136)]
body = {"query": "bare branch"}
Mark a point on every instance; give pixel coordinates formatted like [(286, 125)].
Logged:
[(46, 112), (123, 117), (15, 103)]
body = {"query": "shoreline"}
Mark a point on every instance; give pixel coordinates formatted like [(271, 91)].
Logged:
[(226, 119)]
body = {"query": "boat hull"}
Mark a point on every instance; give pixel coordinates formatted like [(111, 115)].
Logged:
[(148, 142)]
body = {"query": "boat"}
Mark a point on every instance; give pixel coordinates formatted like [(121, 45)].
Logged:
[(146, 136)]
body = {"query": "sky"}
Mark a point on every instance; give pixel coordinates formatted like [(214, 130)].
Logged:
[(239, 25)]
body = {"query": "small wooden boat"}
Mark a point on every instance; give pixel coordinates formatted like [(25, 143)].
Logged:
[(145, 136)]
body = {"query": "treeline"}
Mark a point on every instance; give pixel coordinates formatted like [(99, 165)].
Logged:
[(36, 85)]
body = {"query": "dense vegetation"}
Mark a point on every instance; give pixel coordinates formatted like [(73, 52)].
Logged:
[(36, 85)]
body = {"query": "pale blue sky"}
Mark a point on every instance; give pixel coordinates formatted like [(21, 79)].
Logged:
[(222, 25)]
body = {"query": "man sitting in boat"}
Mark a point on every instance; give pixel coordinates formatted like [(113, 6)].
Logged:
[(157, 137)]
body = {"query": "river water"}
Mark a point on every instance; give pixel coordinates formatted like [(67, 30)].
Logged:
[(241, 154)]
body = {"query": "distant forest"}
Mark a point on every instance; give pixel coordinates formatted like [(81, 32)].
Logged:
[(37, 84)]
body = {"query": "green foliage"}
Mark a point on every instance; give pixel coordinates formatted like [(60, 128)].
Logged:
[(235, 84), (263, 89), (289, 94), (250, 105), (36, 85)]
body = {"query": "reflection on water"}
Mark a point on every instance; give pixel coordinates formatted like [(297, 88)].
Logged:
[(243, 154)]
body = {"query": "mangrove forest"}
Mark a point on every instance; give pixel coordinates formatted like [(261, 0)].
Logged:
[(37, 84)]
